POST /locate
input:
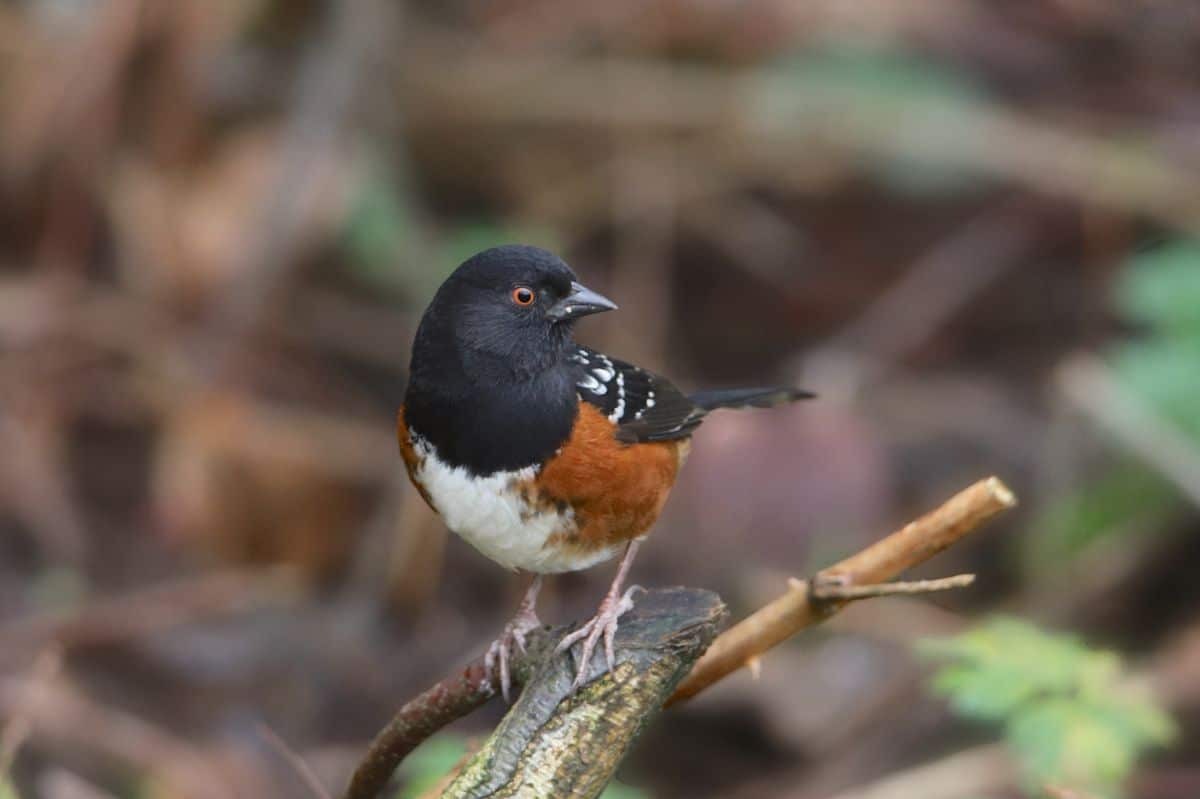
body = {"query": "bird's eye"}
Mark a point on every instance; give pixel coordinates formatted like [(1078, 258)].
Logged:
[(523, 295)]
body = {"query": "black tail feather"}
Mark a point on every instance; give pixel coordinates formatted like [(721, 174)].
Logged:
[(747, 397)]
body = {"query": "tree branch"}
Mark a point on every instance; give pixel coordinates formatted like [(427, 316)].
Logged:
[(657, 643), (797, 609), (557, 743), (451, 699), (526, 750)]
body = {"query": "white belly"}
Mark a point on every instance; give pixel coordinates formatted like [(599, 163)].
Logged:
[(492, 516)]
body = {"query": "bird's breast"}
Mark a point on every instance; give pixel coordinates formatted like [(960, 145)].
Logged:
[(577, 509), (504, 515)]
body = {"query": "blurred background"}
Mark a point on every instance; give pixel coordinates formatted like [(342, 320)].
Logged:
[(968, 226)]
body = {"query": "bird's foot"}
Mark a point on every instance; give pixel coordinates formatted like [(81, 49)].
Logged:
[(604, 623), (498, 659)]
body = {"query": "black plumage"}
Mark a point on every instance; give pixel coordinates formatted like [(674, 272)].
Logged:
[(647, 407), (496, 386)]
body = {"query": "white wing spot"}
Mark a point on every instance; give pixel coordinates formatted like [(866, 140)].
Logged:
[(619, 411), (602, 374), (593, 385)]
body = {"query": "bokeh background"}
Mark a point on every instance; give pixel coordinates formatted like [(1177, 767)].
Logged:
[(967, 225)]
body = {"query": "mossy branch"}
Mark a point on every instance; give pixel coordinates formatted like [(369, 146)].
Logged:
[(554, 743)]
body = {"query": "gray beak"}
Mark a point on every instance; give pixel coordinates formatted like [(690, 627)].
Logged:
[(580, 302)]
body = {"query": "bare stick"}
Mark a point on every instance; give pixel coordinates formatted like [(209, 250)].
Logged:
[(825, 592), (796, 610)]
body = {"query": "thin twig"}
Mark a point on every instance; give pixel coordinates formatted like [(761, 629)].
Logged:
[(795, 610), (826, 592), (298, 763)]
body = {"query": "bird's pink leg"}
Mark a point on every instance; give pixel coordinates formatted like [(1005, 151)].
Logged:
[(500, 652), (604, 622)]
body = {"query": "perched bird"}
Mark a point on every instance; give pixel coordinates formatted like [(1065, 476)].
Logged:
[(545, 455)]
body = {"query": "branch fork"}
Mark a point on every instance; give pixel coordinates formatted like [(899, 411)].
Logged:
[(538, 748)]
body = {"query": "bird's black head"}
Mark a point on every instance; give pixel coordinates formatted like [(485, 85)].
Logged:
[(507, 313), (491, 385)]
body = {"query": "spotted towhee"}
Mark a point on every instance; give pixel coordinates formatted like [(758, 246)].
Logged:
[(545, 455)]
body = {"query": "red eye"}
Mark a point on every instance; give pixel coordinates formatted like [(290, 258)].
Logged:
[(523, 295)]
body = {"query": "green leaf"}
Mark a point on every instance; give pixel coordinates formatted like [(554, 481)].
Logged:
[(1007, 652), (1061, 740), (616, 790), (1165, 373), (431, 762), (1162, 289), (991, 694), (1067, 710), (1126, 495), (7, 791)]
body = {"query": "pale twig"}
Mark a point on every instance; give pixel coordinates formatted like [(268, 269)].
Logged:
[(303, 770), (796, 610), (833, 591)]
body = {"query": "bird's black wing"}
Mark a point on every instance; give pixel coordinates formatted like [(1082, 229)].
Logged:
[(647, 407), (644, 406)]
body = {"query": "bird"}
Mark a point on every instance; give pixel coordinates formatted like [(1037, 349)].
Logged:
[(545, 455)]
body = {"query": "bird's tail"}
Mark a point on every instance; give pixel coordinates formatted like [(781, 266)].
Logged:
[(747, 397)]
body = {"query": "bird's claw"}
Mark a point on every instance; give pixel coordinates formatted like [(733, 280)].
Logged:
[(604, 623), (497, 661)]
